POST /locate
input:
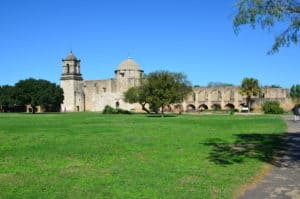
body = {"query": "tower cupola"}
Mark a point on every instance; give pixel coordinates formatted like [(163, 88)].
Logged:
[(71, 68)]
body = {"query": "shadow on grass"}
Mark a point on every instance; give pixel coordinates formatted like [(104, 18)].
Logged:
[(161, 116), (258, 146)]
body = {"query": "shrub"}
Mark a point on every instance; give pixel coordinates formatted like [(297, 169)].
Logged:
[(121, 111), (216, 107), (272, 107), (110, 110)]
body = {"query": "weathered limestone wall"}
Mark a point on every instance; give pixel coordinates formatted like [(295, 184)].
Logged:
[(95, 95), (209, 96), (126, 79), (71, 89), (230, 95)]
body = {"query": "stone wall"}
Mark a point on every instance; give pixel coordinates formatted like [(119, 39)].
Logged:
[(230, 96), (71, 90), (96, 94)]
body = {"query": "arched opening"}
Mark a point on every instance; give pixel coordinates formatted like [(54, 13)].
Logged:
[(68, 68), (117, 104), (168, 108), (190, 108), (178, 108), (203, 107), (229, 106), (216, 107)]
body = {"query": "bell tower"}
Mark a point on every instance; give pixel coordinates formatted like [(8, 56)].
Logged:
[(71, 79), (71, 68)]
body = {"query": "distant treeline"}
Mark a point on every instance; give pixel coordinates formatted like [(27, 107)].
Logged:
[(31, 92)]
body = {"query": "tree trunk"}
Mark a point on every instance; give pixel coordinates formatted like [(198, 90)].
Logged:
[(249, 103), (145, 109), (162, 110)]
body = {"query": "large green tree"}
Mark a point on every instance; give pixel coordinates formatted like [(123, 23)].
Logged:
[(267, 13), (137, 95), (160, 89), (295, 92), (8, 98), (35, 92), (249, 87)]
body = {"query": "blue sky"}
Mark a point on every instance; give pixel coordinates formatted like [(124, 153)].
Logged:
[(191, 36)]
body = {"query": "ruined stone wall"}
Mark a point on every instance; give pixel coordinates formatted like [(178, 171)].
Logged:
[(99, 93), (230, 95)]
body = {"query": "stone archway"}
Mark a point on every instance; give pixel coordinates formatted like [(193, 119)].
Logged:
[(178, 108), (229, 106), (203, 107), (190, 108)]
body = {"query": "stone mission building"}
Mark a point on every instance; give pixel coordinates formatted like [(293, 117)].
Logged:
[(94, 95)]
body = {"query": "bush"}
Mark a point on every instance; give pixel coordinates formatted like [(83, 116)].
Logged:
[(110, 110), (272, 107), (216, 107)]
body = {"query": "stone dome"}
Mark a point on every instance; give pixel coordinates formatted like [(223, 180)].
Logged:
[(129, 64)]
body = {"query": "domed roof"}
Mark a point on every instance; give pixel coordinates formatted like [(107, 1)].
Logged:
[(129, 64)]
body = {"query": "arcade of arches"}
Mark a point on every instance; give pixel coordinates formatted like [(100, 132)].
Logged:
[(228, 97)]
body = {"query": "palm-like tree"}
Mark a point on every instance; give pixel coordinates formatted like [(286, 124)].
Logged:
[(295, 92), (250, 87)]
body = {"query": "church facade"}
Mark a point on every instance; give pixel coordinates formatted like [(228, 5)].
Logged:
[(93, 95)]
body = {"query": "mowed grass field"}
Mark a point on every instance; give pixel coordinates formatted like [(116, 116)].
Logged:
[(90, 155)]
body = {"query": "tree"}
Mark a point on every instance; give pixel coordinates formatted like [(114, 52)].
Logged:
[(268, 13), (295, 92), (8, 98), (166, 88), (275, 86), (137, 95), (160, 89), (39, 92), (218, 84), (272, 107), (249, 87)]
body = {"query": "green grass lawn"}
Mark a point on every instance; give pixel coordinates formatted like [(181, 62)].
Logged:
[(90, 155)]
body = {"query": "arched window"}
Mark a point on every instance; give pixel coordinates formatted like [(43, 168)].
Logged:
[(68, 68)]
